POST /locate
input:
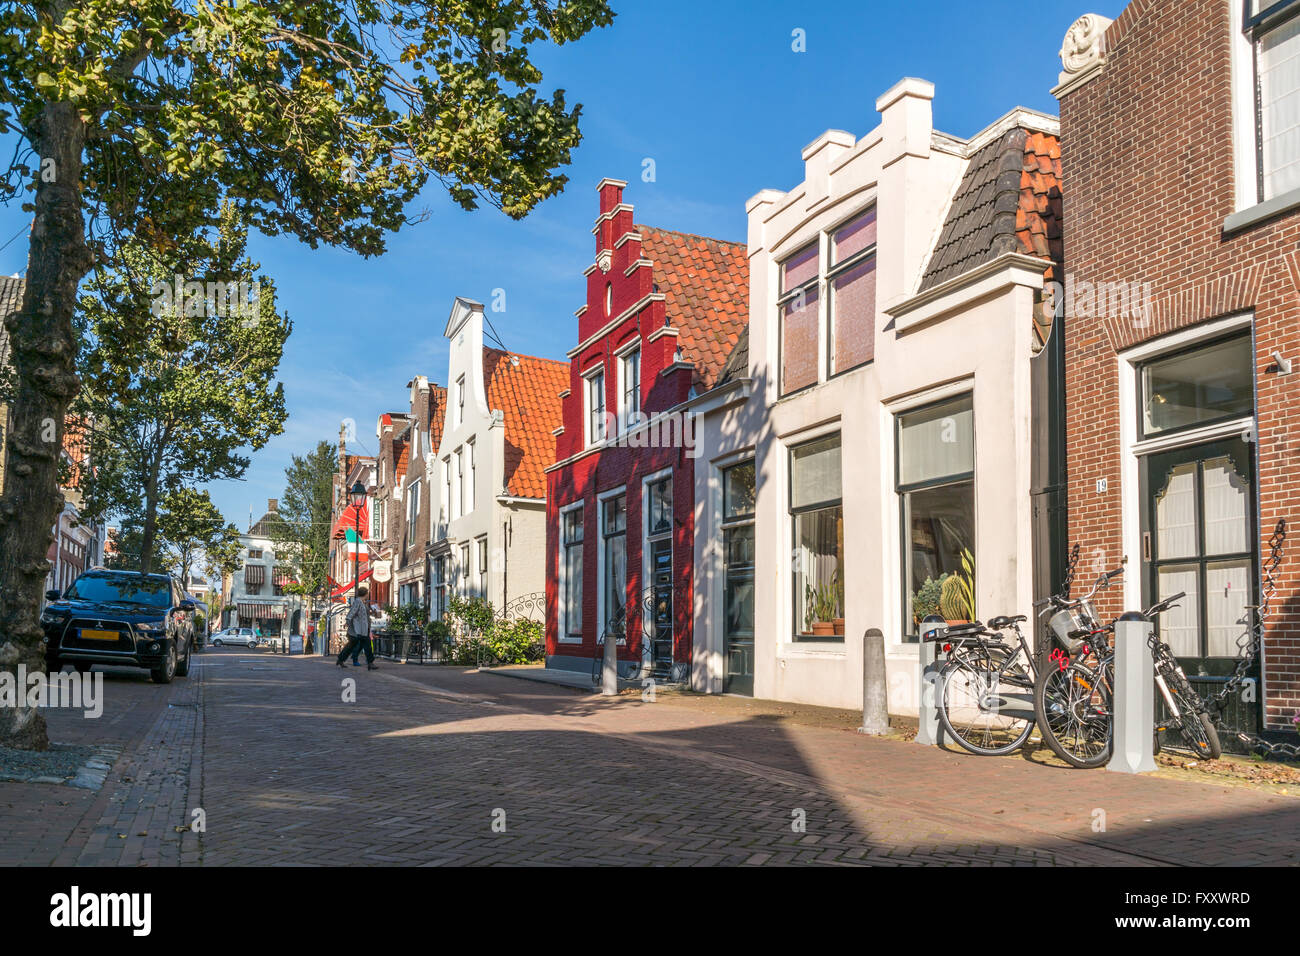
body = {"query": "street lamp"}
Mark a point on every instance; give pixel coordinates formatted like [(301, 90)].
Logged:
[(358, 495)]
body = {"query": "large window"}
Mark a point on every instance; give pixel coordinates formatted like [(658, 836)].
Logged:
[(847, 275), (412, 510), (482, 566), (936, 488), (613, 529), (1274, 30), (457, 485), (571, 555), (798, 307), (1201, 386), (439, 607), (851, 279), (817, 515), (466, 572), (446, 492), (629, 412), (469, 485), (595, 385), (738, 597)]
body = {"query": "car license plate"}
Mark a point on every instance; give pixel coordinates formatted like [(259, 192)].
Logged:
[(89, 634)]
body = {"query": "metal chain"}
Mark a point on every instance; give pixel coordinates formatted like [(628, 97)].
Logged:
[(1070, 565), (1248, 650)]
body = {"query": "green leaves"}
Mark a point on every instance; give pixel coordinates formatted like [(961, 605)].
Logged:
[(301, 538), (178, 372)]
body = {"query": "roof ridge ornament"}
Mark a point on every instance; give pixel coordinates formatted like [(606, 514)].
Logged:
[(1083, 53)]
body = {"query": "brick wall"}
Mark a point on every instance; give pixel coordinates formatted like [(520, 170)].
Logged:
[(662, 387), (1148, 165)]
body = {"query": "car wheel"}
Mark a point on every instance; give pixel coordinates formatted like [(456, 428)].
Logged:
[(164, 672), (183, 667), (53, 665), (83, 667), (217, 642)]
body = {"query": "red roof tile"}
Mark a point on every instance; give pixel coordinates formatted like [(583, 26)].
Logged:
[(706, 285), (527, 390)]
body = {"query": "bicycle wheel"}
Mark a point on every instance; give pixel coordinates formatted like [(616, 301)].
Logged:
[(1073, 708), (981, 709), (1196, 727)]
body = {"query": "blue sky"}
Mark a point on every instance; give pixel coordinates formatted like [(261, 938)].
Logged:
[(713, 93)]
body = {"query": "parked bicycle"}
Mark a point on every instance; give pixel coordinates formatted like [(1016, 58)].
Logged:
[(985, 690), (1074, 698)]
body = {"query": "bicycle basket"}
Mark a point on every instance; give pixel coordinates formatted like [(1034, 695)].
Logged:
[(1069, 626)]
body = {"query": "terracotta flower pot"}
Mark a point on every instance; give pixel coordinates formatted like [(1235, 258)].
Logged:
[(839, 625), (823, 628)]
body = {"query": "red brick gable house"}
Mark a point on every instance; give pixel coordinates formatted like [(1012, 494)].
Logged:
[(663, 312), (1180, 335)]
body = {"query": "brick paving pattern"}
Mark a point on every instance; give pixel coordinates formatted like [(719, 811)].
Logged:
[(437, 766)]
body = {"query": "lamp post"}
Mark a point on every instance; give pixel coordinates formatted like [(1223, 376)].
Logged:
[(357, 493)]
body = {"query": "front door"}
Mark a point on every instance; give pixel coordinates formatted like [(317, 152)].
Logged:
[(1199, 536), (660, 608)]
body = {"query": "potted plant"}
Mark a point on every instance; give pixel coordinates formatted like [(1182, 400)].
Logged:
[(821, 609), (925, 602), (837, 586), (957, 593)]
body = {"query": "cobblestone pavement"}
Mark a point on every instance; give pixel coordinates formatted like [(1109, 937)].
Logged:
[(438, 766)]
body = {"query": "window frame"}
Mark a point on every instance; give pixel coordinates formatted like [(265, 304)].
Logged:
[(833, 271), (902, 491), (460, 401), (481, 554), (785, 296), (565, 632), (1139, 367), (1256, 27), (793, 514), (412, 510), (590, 391), (629, 416)]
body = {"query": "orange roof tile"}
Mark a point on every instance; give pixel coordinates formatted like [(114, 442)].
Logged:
[(527, 390), (706, 285), (437, 412)]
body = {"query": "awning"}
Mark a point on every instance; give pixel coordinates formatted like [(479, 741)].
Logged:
[(283, 578), (254, 573), (260, 612), (347, 521), (343, 589)]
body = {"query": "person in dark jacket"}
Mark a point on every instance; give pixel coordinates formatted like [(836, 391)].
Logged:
[(358, 625)]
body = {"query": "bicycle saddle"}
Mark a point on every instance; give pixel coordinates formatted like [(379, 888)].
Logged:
[(998, 623)]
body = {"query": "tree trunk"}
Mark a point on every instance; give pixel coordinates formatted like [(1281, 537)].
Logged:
[(149, 527), (43, 347)]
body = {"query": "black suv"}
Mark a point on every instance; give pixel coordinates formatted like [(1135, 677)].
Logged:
[(124, 618)]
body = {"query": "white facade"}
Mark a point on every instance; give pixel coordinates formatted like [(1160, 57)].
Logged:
[(969, 338), (486, 542)]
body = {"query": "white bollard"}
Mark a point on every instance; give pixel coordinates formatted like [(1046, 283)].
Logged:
[(875, 695), (609, 668), (927, 711), (1132, 745)]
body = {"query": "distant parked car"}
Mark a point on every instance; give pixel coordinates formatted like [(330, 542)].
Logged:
[(235, 636), (123, 618)]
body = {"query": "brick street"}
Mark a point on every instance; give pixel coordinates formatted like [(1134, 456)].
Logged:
[(419, 769)]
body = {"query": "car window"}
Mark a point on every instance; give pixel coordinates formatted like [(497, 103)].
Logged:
[(121, 589)]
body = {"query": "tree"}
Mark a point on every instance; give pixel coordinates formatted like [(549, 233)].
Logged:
[(194, 531), (177, 386), (301, 535), (319, 118)]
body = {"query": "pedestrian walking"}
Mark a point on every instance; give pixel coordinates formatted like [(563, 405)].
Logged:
[(358, 627)]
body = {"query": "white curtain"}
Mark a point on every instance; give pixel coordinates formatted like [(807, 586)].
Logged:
[(1227, 530), (1279, 88), (1178, 626), (1227, 586), (1176, 514)]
